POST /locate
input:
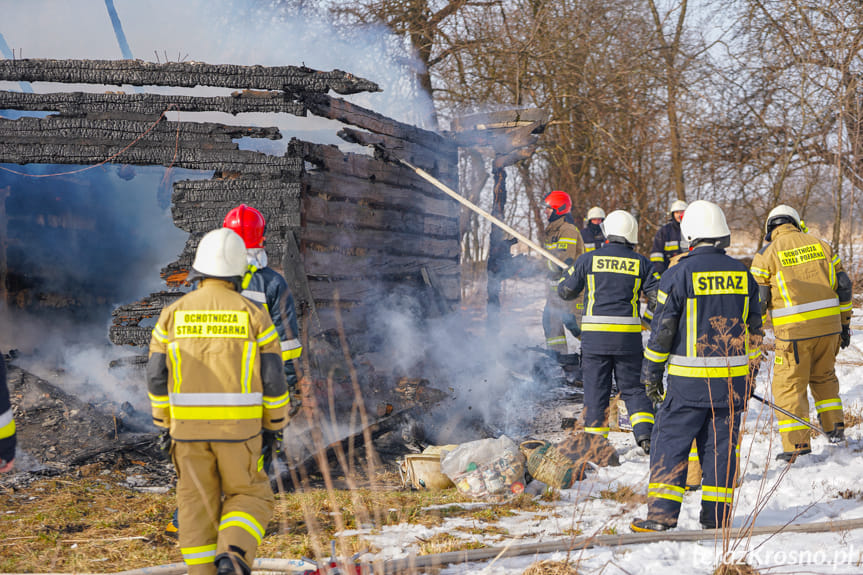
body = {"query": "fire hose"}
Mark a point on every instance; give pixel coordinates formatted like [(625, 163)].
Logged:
[(478, 210), (787, 413)]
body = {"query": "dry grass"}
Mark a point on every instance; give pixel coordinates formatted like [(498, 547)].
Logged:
[(549, 567), (94, 523), (735, 569), (624, 494)]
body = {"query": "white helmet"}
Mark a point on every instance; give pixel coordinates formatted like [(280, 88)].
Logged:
[(595, 212), (621, 224), (221, 254), (781, 211), (677, 206), (703, 220)]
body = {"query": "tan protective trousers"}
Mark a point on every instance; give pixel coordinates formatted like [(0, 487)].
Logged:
[(800, 364), (224, 500), (552, 319)]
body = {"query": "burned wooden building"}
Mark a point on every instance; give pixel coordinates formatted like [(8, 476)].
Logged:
[(347, 228)]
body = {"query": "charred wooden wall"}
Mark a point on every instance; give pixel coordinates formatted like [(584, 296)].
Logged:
[(347, 229)]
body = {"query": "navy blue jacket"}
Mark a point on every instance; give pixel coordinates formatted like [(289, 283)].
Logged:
[(7, 424), (592, 236), (612, 278), (666, 245), (269, 289), (707, 327)]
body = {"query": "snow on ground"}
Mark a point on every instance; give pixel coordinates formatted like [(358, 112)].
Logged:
[(823, 486)]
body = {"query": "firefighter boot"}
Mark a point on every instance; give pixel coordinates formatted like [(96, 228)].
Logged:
[(837, 434), (791, 456), (648, 525), (228, 564)]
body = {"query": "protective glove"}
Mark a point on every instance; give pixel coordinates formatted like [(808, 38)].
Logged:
[(271, 446), (164, 443), (570, 323), (654, 389), (845, 336)]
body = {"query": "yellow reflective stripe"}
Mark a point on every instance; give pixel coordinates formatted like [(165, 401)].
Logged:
[(611, 327), (836, 259), (783, 289), (656, 257), (719, 494), (806, 315), (7, 424), (655, 356), (217, 412), (745, 314), (556, 340), (634, 300), (243, 521), (693, 454), (641, 417), (591, 291), (603, 431), (260, 463), (272, 402), (691, 326), (671, 246), (292, 354), (792, 424), (589, 248), (661, 297), (199, 555), (834, 404), (665, 491), (268, 336), (708, 372), (648, 315), (567, 241), (176, 365), (832, 276), (754, 352), (249, 351), (158, 400), (846, 306), (160, 335), (759, 273), (247, 277)]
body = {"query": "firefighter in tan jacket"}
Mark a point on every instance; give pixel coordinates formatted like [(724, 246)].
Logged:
[(563, 239), (809, 297), (216, 381)]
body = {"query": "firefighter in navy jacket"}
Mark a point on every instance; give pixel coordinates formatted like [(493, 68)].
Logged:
[(707, 328), (612, 279), (592, 233), (666, 242), (269, 289)]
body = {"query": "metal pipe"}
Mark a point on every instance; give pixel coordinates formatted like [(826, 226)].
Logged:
[(787, 413), (473, 207)]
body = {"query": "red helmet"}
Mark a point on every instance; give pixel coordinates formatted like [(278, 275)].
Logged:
[(249, 223), (559, 201)]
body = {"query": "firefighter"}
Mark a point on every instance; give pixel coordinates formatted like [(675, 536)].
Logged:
[(707, 327), (217, 387), (267, 288), (809, 297), (612, 279), (562, 239), (592, 234), (667, 241), (7, 424)]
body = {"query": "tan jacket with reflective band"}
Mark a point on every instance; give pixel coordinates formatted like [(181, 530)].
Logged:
[(563, 240), (215, 371), (801, 271)]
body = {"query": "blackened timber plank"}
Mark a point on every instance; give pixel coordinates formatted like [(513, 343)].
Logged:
[(348, 113), (354, 240), (402, 149), (75, 129), (329, 158), (193, 158), (112, 105), (200, 205), (379, 193), (183, 74), (371, 290), (319, 209), (337, 264)]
